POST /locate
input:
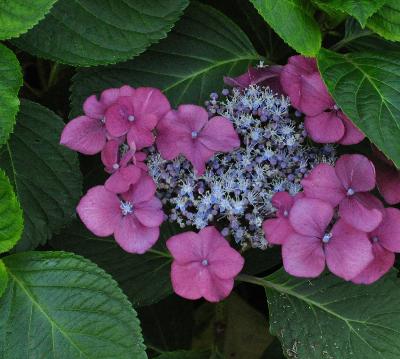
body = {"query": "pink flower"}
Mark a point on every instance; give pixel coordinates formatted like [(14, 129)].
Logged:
[(204, 265), (347, 185), (385, 240), (87, 134), (133, 217), (137, 115), (278, 229), (387, 178), (264, 76), (324, 122), (188, 131), (346, 250)]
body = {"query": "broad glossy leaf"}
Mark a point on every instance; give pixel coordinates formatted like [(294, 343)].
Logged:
[(144, 278), (10, 82), (293, 21), (45, 175), (329, 318), (11, 221), (18, 16), (59, 305), (366, 86), (3, 278), (386, 22), (188, 65), (92, 32), (360, 9)]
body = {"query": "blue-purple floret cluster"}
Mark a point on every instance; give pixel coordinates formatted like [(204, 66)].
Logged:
[(236, 190)]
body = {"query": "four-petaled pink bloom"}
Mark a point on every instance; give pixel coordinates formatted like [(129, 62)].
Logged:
[(385, 241), (347, 185), (188, 131), (345, 250), (277, 229), (133, 217), (324, 122), (204, 265)]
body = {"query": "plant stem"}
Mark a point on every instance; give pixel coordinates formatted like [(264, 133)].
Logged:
[(53, 75), (160, 253)]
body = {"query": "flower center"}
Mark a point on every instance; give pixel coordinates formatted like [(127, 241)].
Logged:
[(375, 239), (350, 191), (194, 134), (115, 166), (204, 262), (131, 118), (285, 213), (126, 207), (327, 237)]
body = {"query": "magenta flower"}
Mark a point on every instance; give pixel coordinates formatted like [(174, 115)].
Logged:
[(324, 122), (204, 265), (137, 115), (188, 131), (347, 185), (268, 76), (385, 241), (133, 217), (276, 230), (345, 250), (87, 134)]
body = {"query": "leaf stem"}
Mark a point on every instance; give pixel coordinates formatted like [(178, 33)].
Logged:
[(160, 253)]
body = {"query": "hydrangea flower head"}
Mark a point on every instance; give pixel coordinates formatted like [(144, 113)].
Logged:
[(133, 217), (345, 250), (324, 121), (204, 265)]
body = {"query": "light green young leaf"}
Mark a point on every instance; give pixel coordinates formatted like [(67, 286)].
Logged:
[(18, 16), (366, 87), (386, 22), (330, 318), (3, 278), (10, 82), (46, 176), (92, 32), (59, 305), (11, 221), (188, 65), (293, 21)]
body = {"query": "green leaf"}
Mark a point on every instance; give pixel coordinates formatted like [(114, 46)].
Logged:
[(329, 318), (59, 305), (386, 22), (294, 22), (10, 82), (366, 87), (92, 32), (360, 9), (185, 354), (11, 221), (144, 278), (188, 65), (3, 278), (258, 261), (18, 16), (45, 175)]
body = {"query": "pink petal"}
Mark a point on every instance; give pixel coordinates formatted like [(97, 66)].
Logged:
[(109, 96), (183, 279), (303, 256), (141, 138), (360, 212), (325, 127), (348, 252), (100, 211), (127, 90), (352, 135), (197, 154), (322, 183), (117, 115), (85, 135), (121, 180), (150, 101), (216, 289), (186, 247), (356, 172), (193, 117), (211, 239), (109, 155), (94, 108), (133, 237), (149, 213), (225, 262), (277, 230), (380, 265), (388, 182), (310, 217), (282, 201), (219, 135), (142, 191), (388, 232)]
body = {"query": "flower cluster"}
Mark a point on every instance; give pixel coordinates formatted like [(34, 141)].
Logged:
[(336, 221), (234, 190)]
